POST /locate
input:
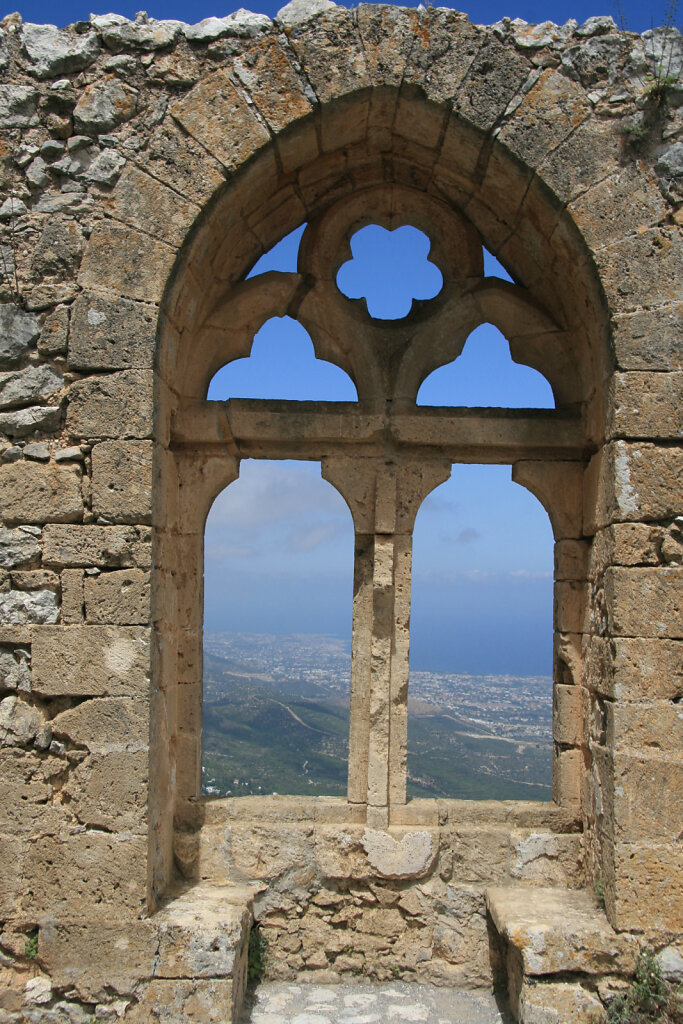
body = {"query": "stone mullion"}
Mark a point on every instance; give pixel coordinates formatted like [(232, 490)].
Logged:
[(398, 723), (360, 669)]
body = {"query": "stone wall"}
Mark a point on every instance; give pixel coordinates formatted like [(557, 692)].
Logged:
[(144, 168)]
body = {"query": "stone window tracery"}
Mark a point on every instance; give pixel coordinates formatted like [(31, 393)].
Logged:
[(384, 453)]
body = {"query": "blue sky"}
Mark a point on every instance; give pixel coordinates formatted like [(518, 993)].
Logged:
[(638, 14), (482, 546)]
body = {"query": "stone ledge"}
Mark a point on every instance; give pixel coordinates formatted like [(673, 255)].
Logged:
[(558, 931)]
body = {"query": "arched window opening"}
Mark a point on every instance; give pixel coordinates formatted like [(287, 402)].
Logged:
[(282, 365), (480, 697), (389, 269), (282, 256), (277, 604), (484, 375)]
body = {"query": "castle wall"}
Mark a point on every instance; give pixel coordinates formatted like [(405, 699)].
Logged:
[(144, 167)]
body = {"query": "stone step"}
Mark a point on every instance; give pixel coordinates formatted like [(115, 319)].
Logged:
[(558, 944), (200, 971)]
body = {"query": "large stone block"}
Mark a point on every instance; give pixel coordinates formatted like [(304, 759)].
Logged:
[(35, 493), (105, 547), (644, 894), (644, 264), (110, 791), (547, 114), (388, 34), (633, 668), (445, 45), (216, 115), (641, 794), (174, 157), (632, 482), (653, 725), (115, 405), (200, 1001), (649, 339), (97, 956), (105, 725), (272, 83), (111, 334), (125, 261), (121, 597), (331, 52), (144, 203), (646, 405), (90, 661), (89, 874), (122, 481), (644, 602), (627, 544)]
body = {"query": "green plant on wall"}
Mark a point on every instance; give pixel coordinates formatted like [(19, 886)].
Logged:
[(256, 954), (650, 999)]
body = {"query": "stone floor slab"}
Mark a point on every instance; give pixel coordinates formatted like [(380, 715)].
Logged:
[(362, 1002)]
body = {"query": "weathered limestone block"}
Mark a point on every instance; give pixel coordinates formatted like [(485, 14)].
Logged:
[(105, 547), (33, 493), (203, 933), (19, 548), (110, 791), (645, 602), (26, 791), (633, 668), (636, 482), (476, 853), (650, 339), (146, 204), (105, 725), (121, 260), (121, 597), (653, 725), (122, 481), (557, 1002), (631, 787), (103, 105), (215, 114), (567, 715), (570, 599), (643, 264), (557, 931), (174, 157), (494, 77), (646, 405), (268, 76), (90, 661), (55, 334), (98, 956), (626, 201), (116, 405), (567, 773), (546, 859), (589, 154), (58, 255), (111, 334), (331, 53), (551, 110), (100, 873), (643, 896), (410, 856), (13, 850), (205, 1000), (72, 596), (627, 544), (18, 333), (388, 35)]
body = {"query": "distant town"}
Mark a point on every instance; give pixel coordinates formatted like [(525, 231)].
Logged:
[(276, 720)]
